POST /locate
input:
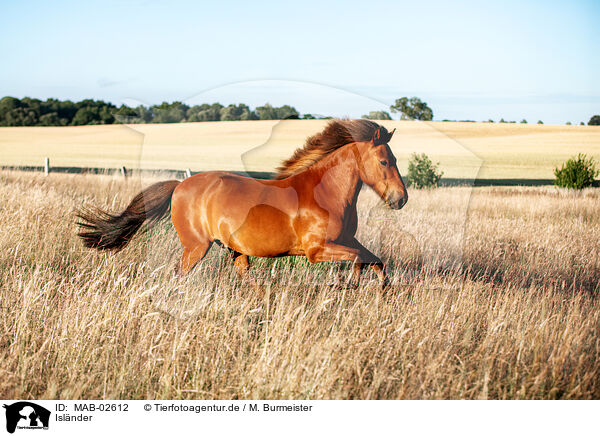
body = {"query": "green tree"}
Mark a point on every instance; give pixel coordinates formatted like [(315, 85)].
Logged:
[(594, 121), (540, 122), (169, 112), (268, 112), (237, 112), (8, 104), (85, 116), (377, 115), (106, 113), (21, 116), (66, 110), (205, 112), (93, 112), (144, 115), (523, 121), (126, 114), (50, 119), (412, 109), (32, 104), (13, 112), (287, 112), (422, 173), (577, 173)]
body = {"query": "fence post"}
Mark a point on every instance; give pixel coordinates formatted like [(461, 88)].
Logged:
[(124, 171), (46, 166), (188, 173)]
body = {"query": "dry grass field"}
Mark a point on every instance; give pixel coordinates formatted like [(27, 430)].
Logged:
[(497, 299), (503, 151)]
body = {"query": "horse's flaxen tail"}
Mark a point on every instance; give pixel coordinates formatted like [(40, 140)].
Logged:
[(104, 231)]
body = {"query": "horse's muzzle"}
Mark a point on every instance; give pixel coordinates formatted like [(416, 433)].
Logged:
[(397, 201)]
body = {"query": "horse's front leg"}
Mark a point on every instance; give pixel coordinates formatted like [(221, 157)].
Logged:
[(331, 251), (372, 261)]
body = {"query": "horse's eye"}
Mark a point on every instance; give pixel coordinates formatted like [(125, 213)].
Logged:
[(383, 162)]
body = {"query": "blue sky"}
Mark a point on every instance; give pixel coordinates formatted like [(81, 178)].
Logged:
[(468, 60)]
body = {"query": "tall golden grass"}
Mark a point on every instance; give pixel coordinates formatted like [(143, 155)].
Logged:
[(509, 309)]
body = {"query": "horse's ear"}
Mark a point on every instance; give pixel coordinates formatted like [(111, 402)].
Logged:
[(391, 134), (376, 136)]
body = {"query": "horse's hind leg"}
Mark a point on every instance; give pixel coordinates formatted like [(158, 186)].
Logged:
[(191, 256), (242, 267)]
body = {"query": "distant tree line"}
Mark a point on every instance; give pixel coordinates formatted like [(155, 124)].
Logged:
[(52, 112)]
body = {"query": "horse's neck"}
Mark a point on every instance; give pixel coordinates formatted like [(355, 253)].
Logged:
[(338, 179)]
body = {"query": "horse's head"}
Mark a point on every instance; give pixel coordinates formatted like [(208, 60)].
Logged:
[(379, 170)]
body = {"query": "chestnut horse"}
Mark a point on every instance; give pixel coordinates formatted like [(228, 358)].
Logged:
[(308, 209)]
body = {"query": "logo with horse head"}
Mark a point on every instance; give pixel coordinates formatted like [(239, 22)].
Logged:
[(26, 415)]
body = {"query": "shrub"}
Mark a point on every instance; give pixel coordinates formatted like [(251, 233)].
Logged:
[(577, 173), (422, 173), (377, 115), (594, 121)]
